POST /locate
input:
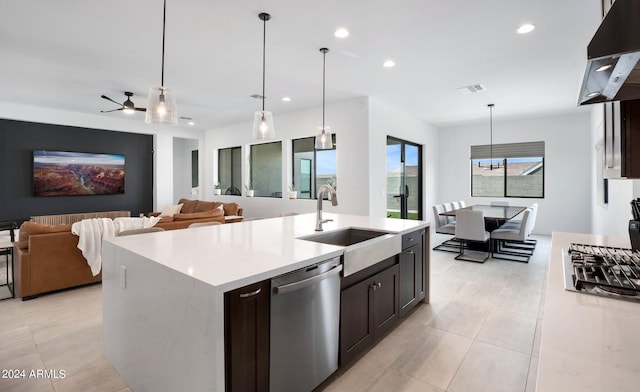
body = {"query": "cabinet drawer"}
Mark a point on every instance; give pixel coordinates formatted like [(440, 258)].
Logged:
[(413, 238)]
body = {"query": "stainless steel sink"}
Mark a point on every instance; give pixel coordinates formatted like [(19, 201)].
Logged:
[(345, 237), (363, 247)]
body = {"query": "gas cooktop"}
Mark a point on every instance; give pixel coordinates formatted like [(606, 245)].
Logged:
[(603, 271)]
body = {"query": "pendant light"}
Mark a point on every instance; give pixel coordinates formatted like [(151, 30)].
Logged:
[(161, 107), (324, 140), (263, 120)]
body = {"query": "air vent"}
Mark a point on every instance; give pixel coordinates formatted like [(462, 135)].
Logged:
[(474, 88), (256, 96)]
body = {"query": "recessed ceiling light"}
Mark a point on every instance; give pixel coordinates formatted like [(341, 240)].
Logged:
[(526, 28), (593, 94), (604, 67), (389, 64), (286, 99), (341, 33), (191, 123)]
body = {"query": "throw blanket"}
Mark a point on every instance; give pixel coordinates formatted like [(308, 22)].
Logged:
[(91, 232)]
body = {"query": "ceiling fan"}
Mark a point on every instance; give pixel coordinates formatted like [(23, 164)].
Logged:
[(127, 105)]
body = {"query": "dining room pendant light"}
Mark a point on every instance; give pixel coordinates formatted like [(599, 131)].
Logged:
[(161, 105), (262, 120), (324, 139)]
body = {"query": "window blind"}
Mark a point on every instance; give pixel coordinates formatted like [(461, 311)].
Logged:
[(508, 150)]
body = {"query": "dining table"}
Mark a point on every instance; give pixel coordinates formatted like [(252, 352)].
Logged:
[(490, 212), (494, 217)]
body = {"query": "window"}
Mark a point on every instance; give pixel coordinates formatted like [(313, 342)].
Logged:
[(230, 170), (516, 170), (266, 169), (312, 168)]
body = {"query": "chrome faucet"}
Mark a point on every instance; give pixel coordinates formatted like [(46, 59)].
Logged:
[(334, 202)]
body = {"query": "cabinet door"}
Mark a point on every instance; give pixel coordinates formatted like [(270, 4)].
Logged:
[(385, 300), (247, 338), (410, 270), (356, 321)]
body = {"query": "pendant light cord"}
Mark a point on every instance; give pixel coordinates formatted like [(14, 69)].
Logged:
[(490, 136), (264, 48), (164, 22), (324, 61)]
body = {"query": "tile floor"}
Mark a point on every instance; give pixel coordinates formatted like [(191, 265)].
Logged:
[(481, 332)]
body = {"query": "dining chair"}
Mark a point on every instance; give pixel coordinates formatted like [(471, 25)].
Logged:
[(443, 227), (470, 228), (462, 204), (449, 207), (529, 243), (140, 231), (202, 224), (512, 235)]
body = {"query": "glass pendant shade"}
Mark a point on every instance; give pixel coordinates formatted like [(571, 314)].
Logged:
[(324, 139), (263, 128), (161, 107)]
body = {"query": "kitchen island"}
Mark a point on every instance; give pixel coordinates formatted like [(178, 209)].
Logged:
[(589, 343), (163, 293)]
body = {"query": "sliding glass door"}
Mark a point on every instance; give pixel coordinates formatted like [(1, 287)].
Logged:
[(404, 179)]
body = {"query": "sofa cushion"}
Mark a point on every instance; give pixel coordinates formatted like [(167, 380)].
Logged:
[(171, 210), (188, 206), (199, 215), (230, 208), (202, 206), (28, 229)]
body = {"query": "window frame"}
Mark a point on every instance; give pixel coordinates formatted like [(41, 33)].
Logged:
[(251, 166), (537, 151), (231, 185), (314, 196)]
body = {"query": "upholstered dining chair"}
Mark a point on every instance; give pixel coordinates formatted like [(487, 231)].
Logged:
[(140, 231), (512, 234), (202, 224), (470, 228), (443, 227)]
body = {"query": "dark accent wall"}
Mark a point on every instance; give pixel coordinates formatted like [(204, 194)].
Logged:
[(18, 139)]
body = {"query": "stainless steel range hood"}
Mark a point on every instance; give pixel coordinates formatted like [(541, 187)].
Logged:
[(613, 72)]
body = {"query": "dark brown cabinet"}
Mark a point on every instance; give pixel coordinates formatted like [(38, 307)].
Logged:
[(367, 310), (412, 276), (246, 332), (630, 112)]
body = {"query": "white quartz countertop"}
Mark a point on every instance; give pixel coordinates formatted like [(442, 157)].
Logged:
[(589, 343), (236, 254)]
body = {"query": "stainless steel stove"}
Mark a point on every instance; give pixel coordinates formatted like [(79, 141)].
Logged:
[(604, 271)]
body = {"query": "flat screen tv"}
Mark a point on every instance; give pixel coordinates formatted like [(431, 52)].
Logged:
[(62, 173)]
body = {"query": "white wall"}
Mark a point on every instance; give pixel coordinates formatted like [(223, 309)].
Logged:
[(163, 137), (567, 202), (349, 121), (385, 120), (611, 218)]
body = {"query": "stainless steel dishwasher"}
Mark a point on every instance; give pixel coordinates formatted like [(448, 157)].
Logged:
[(305, 313)]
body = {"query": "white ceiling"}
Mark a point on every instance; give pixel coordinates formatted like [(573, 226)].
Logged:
[(65, 54)]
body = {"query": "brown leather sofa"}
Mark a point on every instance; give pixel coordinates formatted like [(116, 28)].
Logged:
[(196, 211), (47, 259)]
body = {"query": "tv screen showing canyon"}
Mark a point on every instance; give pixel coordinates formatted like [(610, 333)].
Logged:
[(61, 173)]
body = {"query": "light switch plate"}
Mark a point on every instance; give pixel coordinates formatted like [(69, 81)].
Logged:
[(123, 277)]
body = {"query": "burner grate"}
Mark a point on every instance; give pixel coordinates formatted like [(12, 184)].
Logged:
[(609, 269)]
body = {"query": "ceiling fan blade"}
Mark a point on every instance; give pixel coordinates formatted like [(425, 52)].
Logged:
[(141, 109), (109, 99), (109, 111)]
